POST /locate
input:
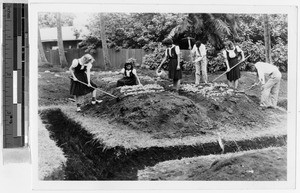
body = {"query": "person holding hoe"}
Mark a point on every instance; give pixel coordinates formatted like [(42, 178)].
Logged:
[(172, 53), (199, 57), (130, 76), (269, 89), (233, 54), (81, 83)]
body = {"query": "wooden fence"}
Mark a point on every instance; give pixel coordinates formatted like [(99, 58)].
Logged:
[(117, 58)]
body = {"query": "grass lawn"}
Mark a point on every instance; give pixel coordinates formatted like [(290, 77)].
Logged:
[(51, 157), (269, 164)]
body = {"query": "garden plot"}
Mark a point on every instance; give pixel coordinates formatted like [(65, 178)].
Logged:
[(115, 139)]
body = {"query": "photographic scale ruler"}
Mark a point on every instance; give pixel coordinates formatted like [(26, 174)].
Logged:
[(15, 75)]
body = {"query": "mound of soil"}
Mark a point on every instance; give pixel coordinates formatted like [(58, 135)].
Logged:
[(237, 109), (164, 114), (176, 115)]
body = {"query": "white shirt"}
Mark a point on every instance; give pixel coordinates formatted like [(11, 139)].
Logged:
[(128, 72), (177, 50), (231, 52), (265, 68), (202, 49), (75, 63)]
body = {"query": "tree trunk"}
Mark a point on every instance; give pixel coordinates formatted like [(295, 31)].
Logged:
[(267, 38), (61, 51), (42, 57), (106, 61)]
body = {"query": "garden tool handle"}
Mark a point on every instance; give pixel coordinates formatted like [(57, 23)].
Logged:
[(95, 88), (232, 68)]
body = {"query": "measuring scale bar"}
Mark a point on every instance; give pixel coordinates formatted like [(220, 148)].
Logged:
[(15, 73)]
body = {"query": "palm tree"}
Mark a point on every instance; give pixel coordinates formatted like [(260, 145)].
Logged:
[(42, 57), (208, 27), (61, 51), (106, 61), (267, 38)]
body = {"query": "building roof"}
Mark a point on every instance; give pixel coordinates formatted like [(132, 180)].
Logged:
[(68, 33)]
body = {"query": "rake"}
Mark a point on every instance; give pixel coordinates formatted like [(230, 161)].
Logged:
[(231, 68), (96, 88)]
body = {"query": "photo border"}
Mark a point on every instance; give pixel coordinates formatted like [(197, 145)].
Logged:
[(36, 6)]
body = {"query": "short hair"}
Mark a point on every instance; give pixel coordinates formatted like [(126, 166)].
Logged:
[(228, 42), (198, 43), (167, 41), (88, 58), (127, 64)]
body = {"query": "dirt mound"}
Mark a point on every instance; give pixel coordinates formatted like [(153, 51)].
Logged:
[(164, 114), (226, 106)]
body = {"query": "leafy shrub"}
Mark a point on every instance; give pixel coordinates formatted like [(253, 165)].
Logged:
[(279, 56), (256, 50), (187, 65), (279, 53), (154, 59), (215, 63)]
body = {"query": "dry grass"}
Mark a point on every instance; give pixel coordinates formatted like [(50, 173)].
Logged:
[(263, 164), (113, 134), (50, 156)]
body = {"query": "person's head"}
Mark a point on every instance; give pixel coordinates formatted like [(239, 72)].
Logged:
[(198, 43), (87, 58), (253, 68), (229, 45), (167, 42), (128, 66)]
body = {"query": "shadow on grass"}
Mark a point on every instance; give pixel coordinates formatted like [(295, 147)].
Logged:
[(88, 159)]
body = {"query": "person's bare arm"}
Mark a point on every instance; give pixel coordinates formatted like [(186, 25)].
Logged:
[(177, 50), (71, 69)]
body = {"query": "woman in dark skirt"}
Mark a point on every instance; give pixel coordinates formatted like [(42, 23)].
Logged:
[(130, 76), (173, 54), (233, 54), (80, 71)]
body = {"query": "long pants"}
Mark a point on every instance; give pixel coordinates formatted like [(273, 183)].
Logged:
[(202, 64), (269, 94)]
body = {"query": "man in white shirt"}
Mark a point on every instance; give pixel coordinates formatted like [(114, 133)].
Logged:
[(270, 89), (199, 57)]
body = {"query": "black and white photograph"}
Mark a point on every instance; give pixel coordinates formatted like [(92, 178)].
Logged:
[(163, 95)]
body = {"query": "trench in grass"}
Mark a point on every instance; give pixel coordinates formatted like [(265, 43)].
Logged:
[(88, 159)]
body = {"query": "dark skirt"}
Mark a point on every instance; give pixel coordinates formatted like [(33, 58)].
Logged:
[(79, 89), (173, 72), (234, 74), (129, 81)]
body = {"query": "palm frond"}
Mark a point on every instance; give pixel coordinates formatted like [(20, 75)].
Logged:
[(181, 27), (221, 26)]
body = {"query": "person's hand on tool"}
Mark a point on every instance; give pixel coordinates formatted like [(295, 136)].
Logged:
[(89, 85), (228, 69), (262, 87), (75, 79)]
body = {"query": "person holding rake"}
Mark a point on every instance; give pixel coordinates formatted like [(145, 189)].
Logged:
[(81, 71), (233, 54)]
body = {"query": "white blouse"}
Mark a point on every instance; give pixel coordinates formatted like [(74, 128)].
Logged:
[(128, 72), (231, 52), (76, 62)]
